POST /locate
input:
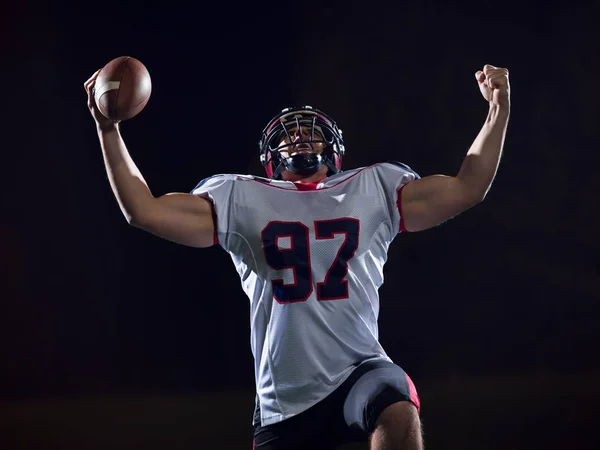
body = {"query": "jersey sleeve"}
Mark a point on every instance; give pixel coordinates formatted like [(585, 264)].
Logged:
[(392, 176), (217, 189)]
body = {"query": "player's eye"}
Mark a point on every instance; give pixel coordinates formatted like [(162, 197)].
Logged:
[(291, 131)]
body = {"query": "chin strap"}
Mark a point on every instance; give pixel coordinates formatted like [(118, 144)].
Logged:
[(277, 172), (332, 169), (305, 164)]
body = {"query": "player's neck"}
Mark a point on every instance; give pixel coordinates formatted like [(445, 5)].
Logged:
[(317, 176), (312, 179)]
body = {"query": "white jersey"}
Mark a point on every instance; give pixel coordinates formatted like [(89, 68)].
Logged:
[(310, 258)]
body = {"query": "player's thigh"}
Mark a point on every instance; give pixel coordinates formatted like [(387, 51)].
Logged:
[(377, 386), (398, 426), (307, 430)]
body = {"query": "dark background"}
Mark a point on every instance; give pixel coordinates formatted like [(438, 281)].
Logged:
[(494, 314)]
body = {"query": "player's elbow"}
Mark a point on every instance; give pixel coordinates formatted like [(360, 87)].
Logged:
[(470, 195), (465, 203), (136, 219), (133, 220), (478, 196), (144, 215), (471, 190)]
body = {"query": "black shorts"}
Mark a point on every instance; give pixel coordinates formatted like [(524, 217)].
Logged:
[(348, 414)]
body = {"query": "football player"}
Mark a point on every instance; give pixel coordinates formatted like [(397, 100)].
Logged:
[(309, 242)]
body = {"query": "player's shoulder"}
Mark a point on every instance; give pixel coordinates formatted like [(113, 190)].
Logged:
[(383, 166), (394, 166), (212, 182), (224, 179)]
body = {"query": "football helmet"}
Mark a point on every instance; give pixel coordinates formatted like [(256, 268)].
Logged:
[(306, 120)]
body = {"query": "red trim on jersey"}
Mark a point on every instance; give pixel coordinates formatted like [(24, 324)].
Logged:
[(414, 397), (399, 204), (214, 219), (323, 188), (310, 186)]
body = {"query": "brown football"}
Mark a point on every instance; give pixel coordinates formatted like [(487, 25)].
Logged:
[(122, 88)]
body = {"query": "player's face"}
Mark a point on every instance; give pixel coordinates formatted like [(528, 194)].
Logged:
[(299, 146), (302, 147)]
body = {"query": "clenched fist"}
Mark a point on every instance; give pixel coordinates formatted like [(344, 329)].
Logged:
[(494, 85), (102, 122)]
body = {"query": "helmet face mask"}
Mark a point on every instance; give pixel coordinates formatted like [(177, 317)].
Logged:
[(313, 127)]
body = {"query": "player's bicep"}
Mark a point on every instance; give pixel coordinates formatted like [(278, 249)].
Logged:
[(183, 218), (432, 200)]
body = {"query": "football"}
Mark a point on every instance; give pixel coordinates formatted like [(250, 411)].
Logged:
[(122, 88)]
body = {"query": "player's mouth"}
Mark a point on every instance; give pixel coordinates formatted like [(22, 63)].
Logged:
[(302, 148)]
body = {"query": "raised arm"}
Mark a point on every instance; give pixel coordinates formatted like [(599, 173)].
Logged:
[(431, 200), (178, 217)]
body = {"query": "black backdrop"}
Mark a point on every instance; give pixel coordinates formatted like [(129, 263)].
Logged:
[(92, 307)]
